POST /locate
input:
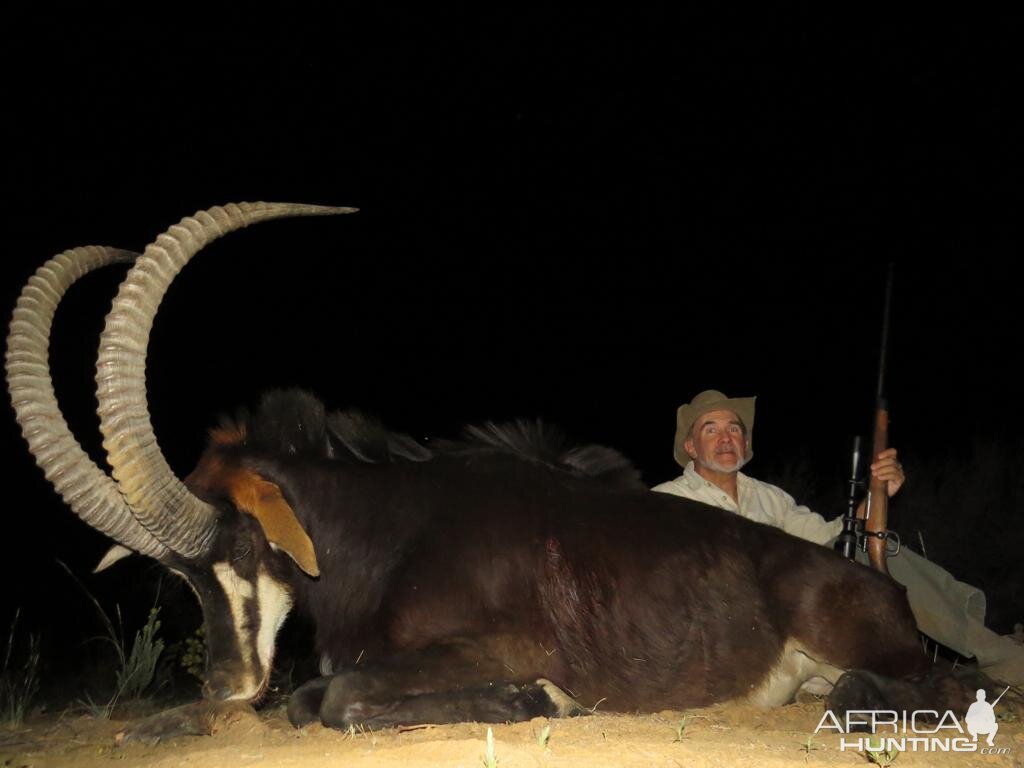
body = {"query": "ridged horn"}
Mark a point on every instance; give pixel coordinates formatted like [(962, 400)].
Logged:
[(86, 488), (158, 499)]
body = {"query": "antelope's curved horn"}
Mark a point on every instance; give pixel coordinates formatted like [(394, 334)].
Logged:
[(158, 499), (86, 488)]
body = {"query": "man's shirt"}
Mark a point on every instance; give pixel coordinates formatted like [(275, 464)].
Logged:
[(760, 502)]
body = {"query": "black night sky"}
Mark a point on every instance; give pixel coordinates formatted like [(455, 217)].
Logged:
[(579, 215)]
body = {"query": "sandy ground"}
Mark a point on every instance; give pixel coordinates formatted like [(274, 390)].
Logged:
[(732, 735)]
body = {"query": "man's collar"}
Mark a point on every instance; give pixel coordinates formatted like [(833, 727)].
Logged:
[(692, 479), (695, 481)]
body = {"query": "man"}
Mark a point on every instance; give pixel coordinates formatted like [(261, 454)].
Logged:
[(714, 440)]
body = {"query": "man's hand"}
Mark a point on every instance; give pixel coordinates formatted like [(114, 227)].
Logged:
[(886, 467)]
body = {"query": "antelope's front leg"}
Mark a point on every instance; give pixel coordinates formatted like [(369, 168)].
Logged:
[(359, 698)]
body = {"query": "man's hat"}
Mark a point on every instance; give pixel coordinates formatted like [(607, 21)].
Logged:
[(707, 401)]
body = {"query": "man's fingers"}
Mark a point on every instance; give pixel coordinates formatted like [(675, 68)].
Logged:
[(888, 469)]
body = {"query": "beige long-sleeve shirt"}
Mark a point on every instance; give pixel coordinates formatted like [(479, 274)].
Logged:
[(758, 501)]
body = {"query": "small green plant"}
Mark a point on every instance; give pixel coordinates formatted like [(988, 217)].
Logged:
[(680, 730), (136, 666), (96, 709), (544, 736), (136, 673), (18, 686), (193, 658), (490, 759), (809, 746), (880, 755)]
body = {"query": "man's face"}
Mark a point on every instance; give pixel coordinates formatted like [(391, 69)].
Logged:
[(717, 441)]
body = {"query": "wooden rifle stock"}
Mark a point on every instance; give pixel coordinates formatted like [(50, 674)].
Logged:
[(876, 506)]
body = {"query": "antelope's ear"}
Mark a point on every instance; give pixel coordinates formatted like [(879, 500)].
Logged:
[(264, 501), (114, 554)]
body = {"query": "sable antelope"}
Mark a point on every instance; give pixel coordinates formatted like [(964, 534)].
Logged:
[(481, 578)]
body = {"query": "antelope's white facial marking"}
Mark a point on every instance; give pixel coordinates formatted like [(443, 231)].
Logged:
[(258, 609), (239, 593), (274, 603)]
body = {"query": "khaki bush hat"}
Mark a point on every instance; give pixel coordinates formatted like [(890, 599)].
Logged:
[(707, 401)]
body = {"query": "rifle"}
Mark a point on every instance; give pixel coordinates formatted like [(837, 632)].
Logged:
[(853, 527), (867, 525)]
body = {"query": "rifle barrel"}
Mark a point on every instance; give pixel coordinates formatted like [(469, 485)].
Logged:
[(883, 351)]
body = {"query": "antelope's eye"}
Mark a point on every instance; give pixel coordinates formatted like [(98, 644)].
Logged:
[(242, 550)]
